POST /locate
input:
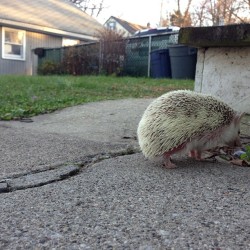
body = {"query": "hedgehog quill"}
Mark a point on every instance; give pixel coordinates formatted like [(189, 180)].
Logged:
[(186, 122)]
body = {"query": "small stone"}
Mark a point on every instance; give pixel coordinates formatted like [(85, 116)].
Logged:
[(3, 187), (163, 233), (146, 247), (219, 208)]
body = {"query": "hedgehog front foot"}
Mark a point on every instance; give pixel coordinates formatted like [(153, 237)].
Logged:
[(167, 162)]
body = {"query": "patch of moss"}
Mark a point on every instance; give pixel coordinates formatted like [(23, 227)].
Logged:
[(216, 36)]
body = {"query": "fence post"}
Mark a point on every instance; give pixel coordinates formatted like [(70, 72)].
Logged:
[(100, 56), (149, 52)]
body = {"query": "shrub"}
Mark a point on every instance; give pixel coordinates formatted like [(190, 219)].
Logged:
[(113, 50), (49, 67), (81, 60)]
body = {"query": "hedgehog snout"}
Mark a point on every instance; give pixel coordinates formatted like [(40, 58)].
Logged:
[(233, 138), (235, 143), (230, 135)]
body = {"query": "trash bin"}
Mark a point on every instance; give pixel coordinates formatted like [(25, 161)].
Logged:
[(183, 61), (160, 64)]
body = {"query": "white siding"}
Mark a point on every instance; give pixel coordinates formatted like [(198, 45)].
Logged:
[(27, 67)]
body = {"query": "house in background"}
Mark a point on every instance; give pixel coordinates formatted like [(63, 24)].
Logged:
[(123, 26), (26, 25)]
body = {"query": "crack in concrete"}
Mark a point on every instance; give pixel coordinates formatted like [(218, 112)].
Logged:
[(38, 179), (56, 174)]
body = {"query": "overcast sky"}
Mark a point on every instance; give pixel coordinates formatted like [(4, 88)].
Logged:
[(141, 11), (135, 11)]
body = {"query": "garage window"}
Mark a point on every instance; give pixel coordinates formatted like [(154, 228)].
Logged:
[(13, 44)]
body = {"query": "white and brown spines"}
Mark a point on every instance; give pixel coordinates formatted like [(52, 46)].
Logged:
[(177, 117)]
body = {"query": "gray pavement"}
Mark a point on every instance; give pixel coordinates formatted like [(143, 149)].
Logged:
[(75, 179)]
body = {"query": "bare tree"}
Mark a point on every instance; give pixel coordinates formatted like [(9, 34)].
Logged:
[(199, 15), (177, 18), (92, 7), (221, 11), (218, 12), (247, 2)]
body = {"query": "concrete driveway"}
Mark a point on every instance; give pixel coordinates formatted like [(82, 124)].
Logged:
[(75, 179)]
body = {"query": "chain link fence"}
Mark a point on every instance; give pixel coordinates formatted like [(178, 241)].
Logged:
[(129, 56)]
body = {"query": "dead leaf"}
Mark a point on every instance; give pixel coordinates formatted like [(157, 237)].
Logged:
[(208, 154), (240, 162)]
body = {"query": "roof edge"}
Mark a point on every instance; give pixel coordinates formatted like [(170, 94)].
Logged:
[(46, 30)]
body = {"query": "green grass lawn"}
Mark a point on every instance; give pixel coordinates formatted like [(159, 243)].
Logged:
[(25, 96)]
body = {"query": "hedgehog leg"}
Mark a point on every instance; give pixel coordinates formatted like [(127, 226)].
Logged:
[(191, 154), (195, 154), (167, 161)]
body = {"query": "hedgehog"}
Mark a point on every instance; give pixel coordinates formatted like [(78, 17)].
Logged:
[(186, 122)]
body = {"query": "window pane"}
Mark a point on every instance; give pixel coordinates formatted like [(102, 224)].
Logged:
[(12, 49), (13, 37), (69, 42), (112, 25)]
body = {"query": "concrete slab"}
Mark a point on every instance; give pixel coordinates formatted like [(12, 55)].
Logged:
[(236, 35), (223, 60), (109, 201), (68, 135), (130, 203)]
